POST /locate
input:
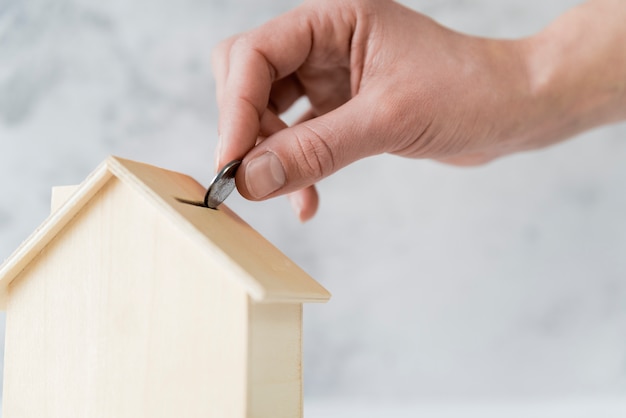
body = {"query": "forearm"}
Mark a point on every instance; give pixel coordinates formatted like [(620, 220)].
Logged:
[(413, 88), (577, 68)]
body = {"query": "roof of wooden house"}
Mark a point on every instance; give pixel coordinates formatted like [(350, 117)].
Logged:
[(265, 273)]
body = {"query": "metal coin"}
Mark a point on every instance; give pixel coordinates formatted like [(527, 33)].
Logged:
[(222, 185)]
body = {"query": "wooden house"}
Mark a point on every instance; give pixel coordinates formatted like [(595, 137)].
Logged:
[(129, 302)]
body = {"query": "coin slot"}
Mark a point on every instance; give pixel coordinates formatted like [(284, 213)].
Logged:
[(193, 203)]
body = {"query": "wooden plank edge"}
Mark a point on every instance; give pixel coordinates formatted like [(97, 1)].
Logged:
[(252, 286), (40, 238)]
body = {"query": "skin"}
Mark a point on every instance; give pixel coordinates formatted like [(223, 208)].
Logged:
[(381, 78)]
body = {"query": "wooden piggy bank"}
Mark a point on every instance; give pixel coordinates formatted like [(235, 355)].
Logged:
[(129, 302)]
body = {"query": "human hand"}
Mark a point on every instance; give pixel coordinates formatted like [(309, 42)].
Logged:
[(382, 78)]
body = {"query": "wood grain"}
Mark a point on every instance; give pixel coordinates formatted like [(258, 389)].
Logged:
[(60, 195), (127, 302), (140, 323), (275, 360), (266, 273)]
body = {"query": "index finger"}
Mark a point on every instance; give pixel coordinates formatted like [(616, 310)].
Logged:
[(256, 60)]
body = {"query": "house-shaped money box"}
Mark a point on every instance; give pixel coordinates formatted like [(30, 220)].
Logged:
[(129, 302)]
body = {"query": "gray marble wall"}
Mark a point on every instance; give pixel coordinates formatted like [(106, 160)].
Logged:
[(502, 281)]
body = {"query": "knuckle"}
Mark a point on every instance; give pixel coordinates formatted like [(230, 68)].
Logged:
[(221, 50), (240, 43), (315, 158), (244, 44), (247, 49)]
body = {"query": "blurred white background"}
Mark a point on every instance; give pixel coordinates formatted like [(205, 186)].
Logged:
[(505, 283)]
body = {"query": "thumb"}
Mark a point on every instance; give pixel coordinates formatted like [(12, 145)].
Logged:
[(299, 156)]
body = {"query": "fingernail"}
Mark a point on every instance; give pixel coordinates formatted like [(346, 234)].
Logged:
[(296, 204), (264, 175)]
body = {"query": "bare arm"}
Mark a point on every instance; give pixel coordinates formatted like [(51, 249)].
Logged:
[(578, 68), (383, 78)]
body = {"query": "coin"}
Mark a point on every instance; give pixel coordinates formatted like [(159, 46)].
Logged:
[(222, 185)]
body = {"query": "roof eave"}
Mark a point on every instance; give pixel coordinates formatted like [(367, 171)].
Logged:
[(114, 167)]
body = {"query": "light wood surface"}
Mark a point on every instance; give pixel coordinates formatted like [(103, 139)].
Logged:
[(266, 273), (121, 330), (60, 195), (127, 302), (275, 360), (30, 248)]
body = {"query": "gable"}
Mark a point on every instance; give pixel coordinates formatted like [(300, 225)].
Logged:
[(266, 273), (108, 315)]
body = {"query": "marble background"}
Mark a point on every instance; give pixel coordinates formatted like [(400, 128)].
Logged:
[(500, 282)]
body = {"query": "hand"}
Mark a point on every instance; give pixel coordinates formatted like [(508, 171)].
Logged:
[(383, 78)]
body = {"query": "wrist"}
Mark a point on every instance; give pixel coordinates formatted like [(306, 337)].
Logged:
[(576, 69)]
